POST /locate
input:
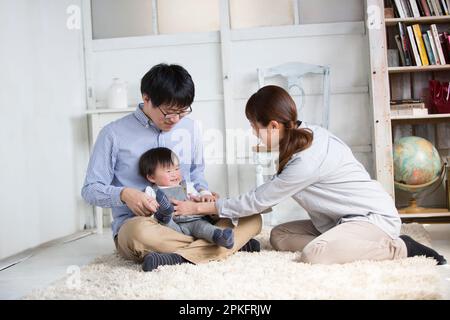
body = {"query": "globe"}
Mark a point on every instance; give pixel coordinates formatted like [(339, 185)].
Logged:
[(417, 165)]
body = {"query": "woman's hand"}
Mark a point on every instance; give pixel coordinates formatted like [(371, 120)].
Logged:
[(206, 198), (185, 208)]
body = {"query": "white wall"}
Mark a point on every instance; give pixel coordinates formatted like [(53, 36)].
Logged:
[(43, 128), (122, 19), (321, 11)]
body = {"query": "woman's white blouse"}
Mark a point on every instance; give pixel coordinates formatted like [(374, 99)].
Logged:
[(328, 182)]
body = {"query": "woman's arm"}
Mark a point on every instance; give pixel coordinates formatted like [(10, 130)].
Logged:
[(296, 176), (191, 208)]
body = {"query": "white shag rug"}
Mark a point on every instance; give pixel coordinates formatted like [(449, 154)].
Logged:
[(265, 275)]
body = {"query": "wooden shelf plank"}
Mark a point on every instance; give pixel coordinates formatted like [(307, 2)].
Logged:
[(425, 117), (435, 19), (425, 215), (445, 67)]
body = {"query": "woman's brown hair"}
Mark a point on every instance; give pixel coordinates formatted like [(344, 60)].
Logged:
[(273, 103)]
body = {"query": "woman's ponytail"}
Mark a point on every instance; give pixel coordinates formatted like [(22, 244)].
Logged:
[(295, 140)]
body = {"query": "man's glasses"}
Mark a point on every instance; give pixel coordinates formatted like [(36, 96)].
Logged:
[(170, 116)]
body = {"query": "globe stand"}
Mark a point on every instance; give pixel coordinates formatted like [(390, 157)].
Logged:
[(414, 208), (415, 190)]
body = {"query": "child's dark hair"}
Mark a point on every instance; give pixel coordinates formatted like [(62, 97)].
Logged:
[(153, 158), (169, 85)]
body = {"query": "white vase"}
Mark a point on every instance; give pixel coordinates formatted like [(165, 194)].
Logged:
[(117, 94)]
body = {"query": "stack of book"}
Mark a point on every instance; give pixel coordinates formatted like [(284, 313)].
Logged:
[(421, 8), (422, 45), (408, 107)]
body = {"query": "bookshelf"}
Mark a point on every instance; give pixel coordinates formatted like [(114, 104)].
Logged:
[(419, 69), (435, 118), (397, 82), (439, 19)]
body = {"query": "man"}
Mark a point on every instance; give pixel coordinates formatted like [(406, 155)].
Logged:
[(113, 180)]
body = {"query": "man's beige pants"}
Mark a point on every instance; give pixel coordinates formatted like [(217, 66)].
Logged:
[(347, 242), (139, 236)]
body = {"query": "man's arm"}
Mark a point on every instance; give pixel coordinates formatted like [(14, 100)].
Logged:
[(97, 189)]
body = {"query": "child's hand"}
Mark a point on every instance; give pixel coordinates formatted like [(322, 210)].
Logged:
[(216, 195), (194, 198), (202, 198), (207, 198)]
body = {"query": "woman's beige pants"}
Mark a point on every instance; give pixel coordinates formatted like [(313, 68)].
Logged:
[(347, 242)]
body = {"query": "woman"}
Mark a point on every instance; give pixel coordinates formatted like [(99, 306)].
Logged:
[(351, 216)]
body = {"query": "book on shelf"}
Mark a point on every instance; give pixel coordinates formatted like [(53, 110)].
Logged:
[(431, 7), (399, 9), (420, 8), (408, 108), (439, 45), (405, 45), (422, 45), (414, 9), (426, 11), (437, 60), (447, 47), (408, 8), (403, 101), (430, 53), (444, 40), (400, 49), (413, 44), (446, 6), (436, 8)]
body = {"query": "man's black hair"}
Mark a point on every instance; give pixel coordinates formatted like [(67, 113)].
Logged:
[(153, 158), (169, 85)]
